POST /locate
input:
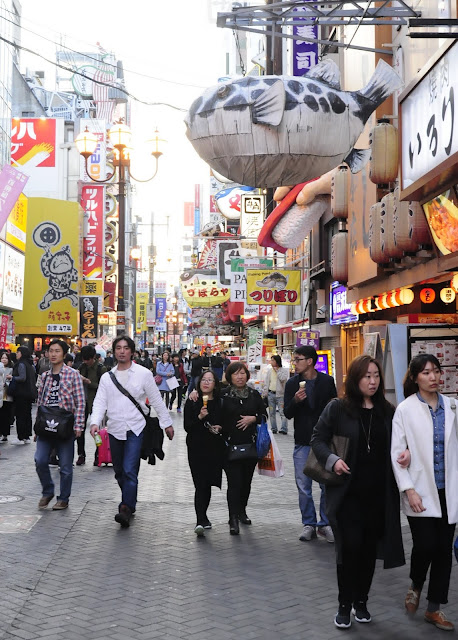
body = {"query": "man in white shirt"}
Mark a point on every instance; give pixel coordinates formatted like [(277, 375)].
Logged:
[(125, 424)]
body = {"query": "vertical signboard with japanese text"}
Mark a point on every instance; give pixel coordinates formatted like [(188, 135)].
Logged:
[(88, 318), (141, 300), (305, 54), (96, 164), (12, 182), (93, 205), (13, 279), (160, 296), (255, 344), (52, 268), (15, 230)]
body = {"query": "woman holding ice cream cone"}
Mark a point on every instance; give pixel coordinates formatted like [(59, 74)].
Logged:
[(202, 422)]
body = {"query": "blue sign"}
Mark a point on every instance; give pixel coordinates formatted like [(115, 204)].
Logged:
[(305, 54), (161, 307), (340, 309)]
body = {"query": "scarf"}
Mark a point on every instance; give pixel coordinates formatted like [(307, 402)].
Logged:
[(235, 392)]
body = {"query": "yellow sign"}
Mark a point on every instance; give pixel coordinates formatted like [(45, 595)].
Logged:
[(92, 288), (141, 302), (201, 290), (16, 224), (52, 268), (276, 287)]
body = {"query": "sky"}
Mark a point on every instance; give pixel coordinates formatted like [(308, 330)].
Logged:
[(174, 42)]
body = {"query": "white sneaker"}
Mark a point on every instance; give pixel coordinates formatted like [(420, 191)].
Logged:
[(308, 533), (17, 441), (199, 531), (27, 441), (326, 532)]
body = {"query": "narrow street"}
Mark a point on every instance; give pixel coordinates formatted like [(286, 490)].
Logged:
[(76, 575)]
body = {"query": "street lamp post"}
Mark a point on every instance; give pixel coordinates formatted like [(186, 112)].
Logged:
[(120, 136)]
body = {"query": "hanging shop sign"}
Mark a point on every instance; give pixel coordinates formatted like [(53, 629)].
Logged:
[(280, 287), (254, 346), (93, 205), (305, 53), (229, 201), (341, 312), (428, 119), (202, 289), (161, 308), (96, 164), (239, 268), (15, 230), (142, 297), (13, 282), (305, 338), (12, 182), (213, 321), (252, 215), (88, 318)]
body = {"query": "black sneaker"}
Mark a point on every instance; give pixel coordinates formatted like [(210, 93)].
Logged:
[(206, 524), (360, 612), (342, 619)]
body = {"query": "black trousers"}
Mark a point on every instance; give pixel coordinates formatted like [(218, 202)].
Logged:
[(80, 440), (174, 395), (165, 394), (239, 476), (6, 418), (432, 549), (359, 531), (23, 412), (202, 498)]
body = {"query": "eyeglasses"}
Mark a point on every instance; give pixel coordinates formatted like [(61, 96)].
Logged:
[(299, 359)]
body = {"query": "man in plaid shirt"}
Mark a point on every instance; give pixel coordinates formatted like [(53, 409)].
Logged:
[(61, 386)]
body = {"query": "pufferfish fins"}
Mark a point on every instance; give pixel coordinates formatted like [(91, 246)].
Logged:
[(269, 107), (357, 158), (327, 72)]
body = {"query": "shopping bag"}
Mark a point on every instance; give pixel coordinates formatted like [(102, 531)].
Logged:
[(272, 464), (172, 383), (455, 548), (262, 439)]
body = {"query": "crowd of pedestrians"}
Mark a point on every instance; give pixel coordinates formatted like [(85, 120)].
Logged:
[(395, 458)]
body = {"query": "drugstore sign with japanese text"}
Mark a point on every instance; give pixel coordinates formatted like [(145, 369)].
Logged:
[(429, 127), (93, 205), (88, 318), (276, 287)]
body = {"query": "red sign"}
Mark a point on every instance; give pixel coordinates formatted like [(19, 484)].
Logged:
[(3, 331), (33, 142), (93, 204)]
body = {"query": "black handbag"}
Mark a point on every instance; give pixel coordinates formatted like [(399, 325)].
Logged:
[(315, 470), (247, 451), (54, 423)]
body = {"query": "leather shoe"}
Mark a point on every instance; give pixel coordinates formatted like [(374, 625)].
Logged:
[(412, 600), (244, 519), (124, 516), (44, 501), (234, 526), (438, 619)]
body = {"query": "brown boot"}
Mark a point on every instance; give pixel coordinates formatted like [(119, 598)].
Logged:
[(124, 516)]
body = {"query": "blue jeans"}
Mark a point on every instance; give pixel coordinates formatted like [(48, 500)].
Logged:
[(304, 486), (65, 451), (125, 455), (274, 402)]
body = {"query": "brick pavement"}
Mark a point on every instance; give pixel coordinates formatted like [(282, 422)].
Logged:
[(77, 575)]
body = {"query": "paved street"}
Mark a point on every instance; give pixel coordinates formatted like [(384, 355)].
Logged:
[(76, 575)]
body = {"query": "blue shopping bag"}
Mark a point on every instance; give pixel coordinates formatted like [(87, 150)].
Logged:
[(262, 439), (455, 548)]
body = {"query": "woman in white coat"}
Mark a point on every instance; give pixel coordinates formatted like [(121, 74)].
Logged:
[(274, 391), (427, 477)]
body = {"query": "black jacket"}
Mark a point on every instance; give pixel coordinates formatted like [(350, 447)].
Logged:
[(336, 420), (234, 408), (25, 379), (305, 418), (205, 449)]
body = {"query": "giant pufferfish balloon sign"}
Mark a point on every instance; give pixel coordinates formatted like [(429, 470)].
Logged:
[(272, 131)]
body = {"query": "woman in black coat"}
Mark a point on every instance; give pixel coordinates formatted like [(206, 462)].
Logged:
[(243, 409), (25, 392), (202, 422), (364, 510)]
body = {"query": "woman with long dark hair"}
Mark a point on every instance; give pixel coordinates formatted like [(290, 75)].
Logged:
[(165, 369), (243, 409), (6, 410), (364, 510), (202, 422), (425, 422), (23, 379)]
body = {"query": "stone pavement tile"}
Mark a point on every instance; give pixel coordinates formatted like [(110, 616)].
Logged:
[(156, 580)]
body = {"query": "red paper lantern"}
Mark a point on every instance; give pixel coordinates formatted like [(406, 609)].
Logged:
[(427, 295)]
